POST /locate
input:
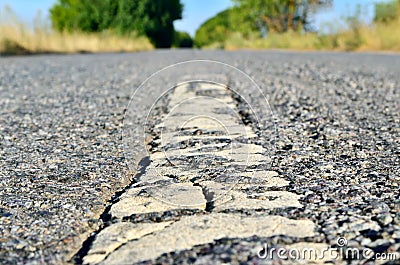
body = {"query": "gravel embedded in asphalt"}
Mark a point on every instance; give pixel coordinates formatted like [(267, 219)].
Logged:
[(61, 158)]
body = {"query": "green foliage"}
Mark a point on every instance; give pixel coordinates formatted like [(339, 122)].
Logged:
[(213, 30), (354, 23), (218, 28), (262, 16), (387, 11), (153, 18), (280, 15), (328, 42), (61, 14), (182, 40)]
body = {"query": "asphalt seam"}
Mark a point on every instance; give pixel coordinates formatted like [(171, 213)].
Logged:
[(202, 200), (105, 217)]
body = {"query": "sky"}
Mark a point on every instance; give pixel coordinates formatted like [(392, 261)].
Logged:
[(198, 11)]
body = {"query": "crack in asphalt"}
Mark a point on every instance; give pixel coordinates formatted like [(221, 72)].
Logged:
[(106, 217), (191, 188)]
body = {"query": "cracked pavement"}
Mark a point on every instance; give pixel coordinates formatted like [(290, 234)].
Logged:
[(184, 174)]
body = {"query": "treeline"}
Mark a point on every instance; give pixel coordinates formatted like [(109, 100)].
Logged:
[(154, 19), (151, 18), (259, 17), (264, 24), (248, 23)]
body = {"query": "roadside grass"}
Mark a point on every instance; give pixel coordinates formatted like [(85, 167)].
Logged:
[(288, 40), (359, 37), (17, 38), (385, 37)]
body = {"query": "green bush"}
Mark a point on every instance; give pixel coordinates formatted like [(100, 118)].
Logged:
[(386, 12), (218, 28), (153, 18), (328, 41), (182, 40)]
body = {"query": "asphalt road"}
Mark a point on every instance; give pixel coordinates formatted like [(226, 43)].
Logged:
[(335, 142)]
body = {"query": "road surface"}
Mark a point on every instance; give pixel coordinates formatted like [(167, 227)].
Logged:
[(221, 175)]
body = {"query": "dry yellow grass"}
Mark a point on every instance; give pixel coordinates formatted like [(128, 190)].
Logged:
[(19, 38), (289, 40), (378, 37), (382, 37)]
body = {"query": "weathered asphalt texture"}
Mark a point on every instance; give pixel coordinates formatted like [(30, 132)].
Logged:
[(62, 163)]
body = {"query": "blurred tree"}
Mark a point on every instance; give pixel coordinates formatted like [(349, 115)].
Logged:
[(153, 18), (182, 40), (218, 28), (387, 11), (280, 15), (213, 30), (61, 14)]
